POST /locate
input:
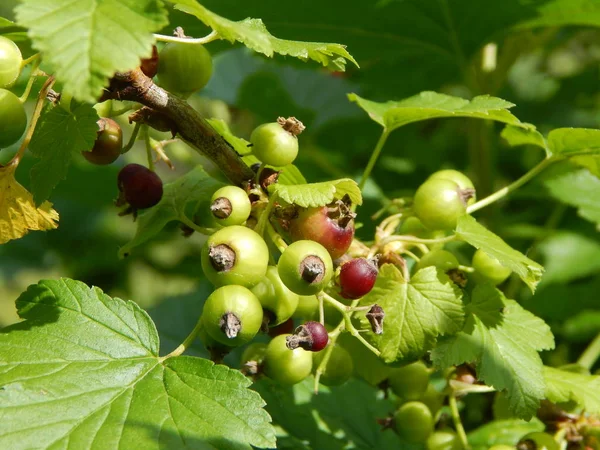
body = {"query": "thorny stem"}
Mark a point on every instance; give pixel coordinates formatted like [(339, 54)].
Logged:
[(590, 354), (213, 35), (460, 430), (373, 158), (511, 187), (189, 340), (33, 122)]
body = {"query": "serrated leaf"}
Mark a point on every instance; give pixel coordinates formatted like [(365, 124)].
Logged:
[(553, 13), (567, 141), (430, 105), (416, 313), (58, 138), (503, 343), (502, 432), (87, 41), (569, 256), (469, 230), (194, 186), (86, 367), (515, 136), (564, 386), (580, 189), (317, 194), (18, 212), (254, 34)]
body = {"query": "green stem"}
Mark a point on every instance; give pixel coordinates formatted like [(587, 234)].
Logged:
[(327, 354), (30, 59), (190, 223), (511, 187), (373, 159), (32, 77), (416, 240), (185, 40), (148, 149), (276, 238), (185, 344), (460, 430), (132, 138), (590, 354), (264, 216)]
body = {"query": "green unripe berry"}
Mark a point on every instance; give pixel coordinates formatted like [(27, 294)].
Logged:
[(537, 440), (230, 205), (443, 440), (413, 422), (286, 366), (232, 315), (409, 382), (10, 62), (276, 299), (13, 119), (443, 260), (463, 181), (305, 267), (439, 203), (184, 68), (488, 268), (235, 255), (274, 145)]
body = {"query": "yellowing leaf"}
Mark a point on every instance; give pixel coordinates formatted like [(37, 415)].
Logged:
[(18, 214)]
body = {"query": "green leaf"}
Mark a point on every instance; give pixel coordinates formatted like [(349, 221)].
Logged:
[(58, 138), (253, 34), (83, 369), (317, 194), (502, 339), (498, 432), (86, 42), (350, 409), (193, 187), (569, 256), (580, 189), (416, 313), (564, 386), (554, 13), (567, 141), (516, 136), (469, 230), (430, 105)]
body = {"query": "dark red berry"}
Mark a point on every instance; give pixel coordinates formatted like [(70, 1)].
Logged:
[(140, 187), (150, 65), (283, 328), (332, 226), (357, 278), (310, 336)]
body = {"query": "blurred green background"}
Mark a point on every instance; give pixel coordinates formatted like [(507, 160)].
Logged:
[(551, 72)]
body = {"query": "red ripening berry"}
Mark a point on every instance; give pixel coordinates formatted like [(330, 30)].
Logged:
[(311, 336), (357, 278), (139, 186)]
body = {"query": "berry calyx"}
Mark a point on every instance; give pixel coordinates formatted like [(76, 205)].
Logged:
[(13, 119), (235, 255), (276, 143), (139, 187), (463, 181), (232, 315), (438, 203), (252, 358), (285, 366), (488, 268), (230, 205), (311, 336), (338, 368), (305, 267), (108, 144), (150, 65), (184, 68), (10, 62), (332, 226), (357, 277)]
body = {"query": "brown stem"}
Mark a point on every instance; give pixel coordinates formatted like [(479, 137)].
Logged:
[(192, 128)]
